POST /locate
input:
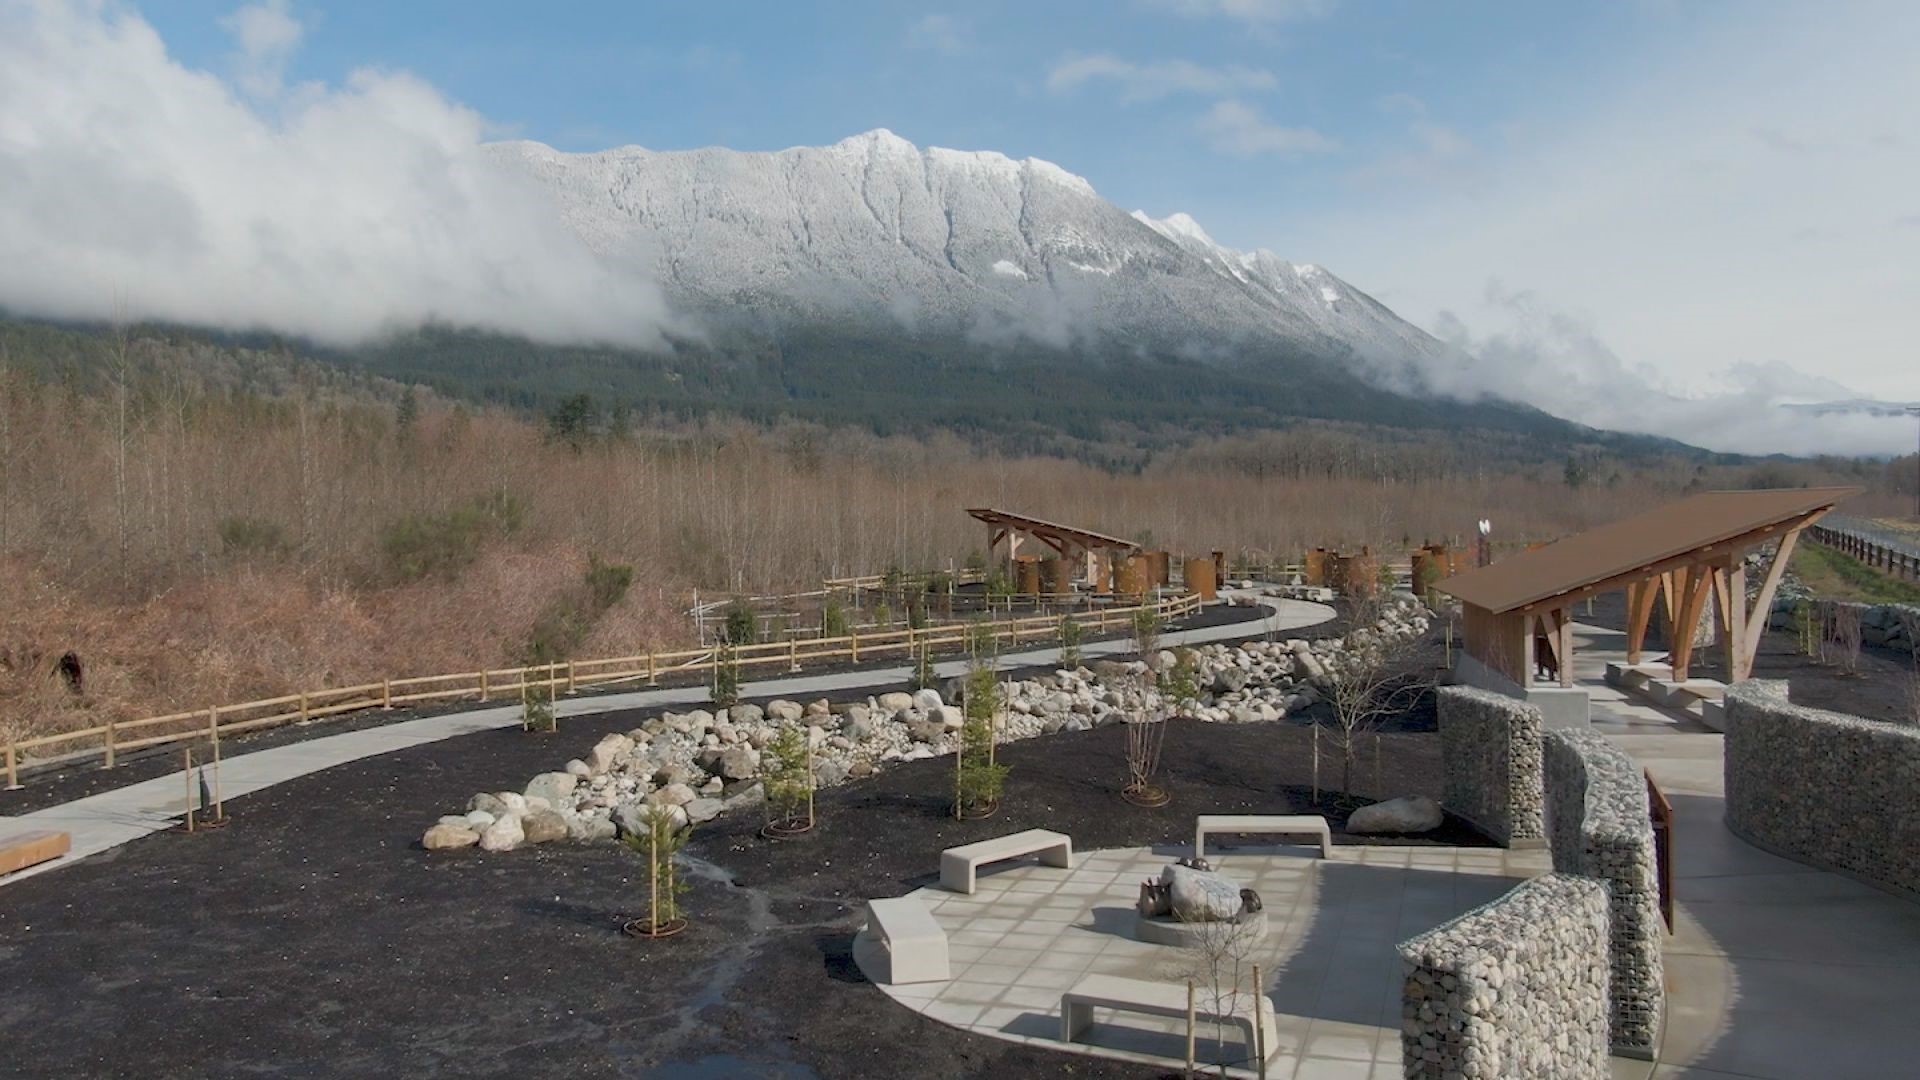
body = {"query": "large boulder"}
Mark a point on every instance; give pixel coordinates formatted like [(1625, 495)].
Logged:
[(947, 717), (745, 713), (924, 728), (541, 826), (445, 837), (504, 834), (595, 826), (830, 771), (1229, 680), (859, 723), (704, 809), (555, 787), (891, 703), (1407, 814), (672, 795), (488, 804), (927, 700), (784, 710), (739, 762), (1201, 895), (609, 749)]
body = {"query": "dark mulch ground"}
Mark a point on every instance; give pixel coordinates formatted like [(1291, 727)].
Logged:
[(1881, 689), (313, 937), (50, 787)]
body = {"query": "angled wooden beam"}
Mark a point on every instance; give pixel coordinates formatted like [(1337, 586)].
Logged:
[(1698, 588), (1641, 598), (1722, 608), (1763, 603)]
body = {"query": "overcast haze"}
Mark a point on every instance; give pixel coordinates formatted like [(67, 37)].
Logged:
[(1648, 216)]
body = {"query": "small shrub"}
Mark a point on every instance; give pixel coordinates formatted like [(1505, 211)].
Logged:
[(999, 585), (1146, 629), (607, 583), (1071, 633), (788, 782), (251, 536), (833, 618), (981, 640), (424, 545), (940, 584), (664, 838), (1180, 684), (917, 613), (980, 778), (558, 632), (726, 676), (976, 561), (882, 615), (536, 708), (742, 626)]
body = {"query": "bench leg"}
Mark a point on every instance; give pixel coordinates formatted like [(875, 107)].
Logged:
[(956, 875), (1075, 1018), (1199, 844), (1061, 857)]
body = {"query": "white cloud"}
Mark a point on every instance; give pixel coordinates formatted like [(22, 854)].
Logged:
[(136, 186), (941, 33), (1556, 361), (1155, 80), (1249, 11), (1234, 127), (266, 35), (1714, 207)]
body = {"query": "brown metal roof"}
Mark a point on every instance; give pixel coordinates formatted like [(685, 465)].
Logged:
[(1083, 537), (1639, 542)]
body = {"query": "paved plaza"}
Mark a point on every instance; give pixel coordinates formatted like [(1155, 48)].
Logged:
[(1030, 932)]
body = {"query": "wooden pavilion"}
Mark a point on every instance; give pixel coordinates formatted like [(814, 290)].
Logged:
[(1678, 558), (1095, 552)]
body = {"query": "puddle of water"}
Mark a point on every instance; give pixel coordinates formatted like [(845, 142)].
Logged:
[(728, 1067)]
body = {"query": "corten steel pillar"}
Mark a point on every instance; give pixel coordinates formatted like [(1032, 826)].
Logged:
[(1132, 577), (1160, 568), (1315, 568), (1056, 577), (1026, 574), (1200, 577), (1219, 569)]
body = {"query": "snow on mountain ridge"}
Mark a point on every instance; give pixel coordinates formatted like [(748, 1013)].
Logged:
[(935, 238)]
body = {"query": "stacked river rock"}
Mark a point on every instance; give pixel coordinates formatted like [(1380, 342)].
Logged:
[(709, 762)]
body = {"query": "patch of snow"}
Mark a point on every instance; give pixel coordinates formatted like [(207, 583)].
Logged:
[(1009, 269)]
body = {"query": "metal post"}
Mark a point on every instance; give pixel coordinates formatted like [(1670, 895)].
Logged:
[(1190, 1029)]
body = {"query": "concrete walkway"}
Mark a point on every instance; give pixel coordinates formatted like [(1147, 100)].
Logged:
[(111, 818), (1775, 969)]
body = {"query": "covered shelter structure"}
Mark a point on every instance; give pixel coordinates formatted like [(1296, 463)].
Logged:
[(1684, 559), (1095, 553)]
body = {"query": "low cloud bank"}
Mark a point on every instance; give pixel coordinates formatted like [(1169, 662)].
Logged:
[(1557, 362), (138, 188)]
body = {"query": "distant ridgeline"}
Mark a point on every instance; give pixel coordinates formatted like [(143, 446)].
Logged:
[(1020, 398)]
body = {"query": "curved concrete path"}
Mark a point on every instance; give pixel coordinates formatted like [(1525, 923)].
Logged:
[(1775, 969), (111, 818)]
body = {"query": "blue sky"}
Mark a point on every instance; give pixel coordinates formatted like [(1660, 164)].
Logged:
[(1717, 201)]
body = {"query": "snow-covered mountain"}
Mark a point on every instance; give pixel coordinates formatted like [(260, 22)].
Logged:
[(942, 240)]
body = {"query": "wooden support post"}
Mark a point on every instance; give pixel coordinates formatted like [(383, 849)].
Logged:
[(219, 799), (1640, 603), (386, 693), (572, 683), (1763, 603), (793, 654), (303, 707), (187, 771), (213, 726), (110, 743), (1687, 619), (13, 768), (1527, 659), (483, 684), (653, 678), (1739, 664), (853, 643), (1259, 1029), (1190, 1029)]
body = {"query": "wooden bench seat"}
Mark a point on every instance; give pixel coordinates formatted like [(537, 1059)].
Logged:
[(1312, 825), (1122, 994), (21, 850), (959, 866), (916, 946)]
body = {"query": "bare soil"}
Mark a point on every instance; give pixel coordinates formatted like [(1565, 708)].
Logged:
[(313, 937)]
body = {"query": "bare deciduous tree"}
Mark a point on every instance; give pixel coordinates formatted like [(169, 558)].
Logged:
[(1222, 962), (1369, 681)]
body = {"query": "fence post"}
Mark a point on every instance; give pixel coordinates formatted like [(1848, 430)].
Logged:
[(793, 654), (386, 693), (303, 707), (213, 726), (483, 684), (571, 684), (653, 679), (13, 773), (853, 643), (110, 740)]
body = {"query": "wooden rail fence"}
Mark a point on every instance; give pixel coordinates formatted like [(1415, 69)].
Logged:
[(1896, 562), (220, 721)]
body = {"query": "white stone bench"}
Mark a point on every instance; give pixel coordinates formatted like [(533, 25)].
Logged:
[(958, 866), (1276, 824), (1122, 994), (916, 946)]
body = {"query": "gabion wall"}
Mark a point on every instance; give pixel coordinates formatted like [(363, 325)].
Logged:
[(1515, 989), (1490, 761), (1597, 825), (1825, 788)]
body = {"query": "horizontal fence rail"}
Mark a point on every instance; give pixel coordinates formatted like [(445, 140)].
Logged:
[(567, 676), (1894, 560)]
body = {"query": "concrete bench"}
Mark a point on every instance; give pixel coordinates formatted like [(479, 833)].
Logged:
[(1122, 994), (958, 866), (1277, 824), (916, 946), (21, 850)]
